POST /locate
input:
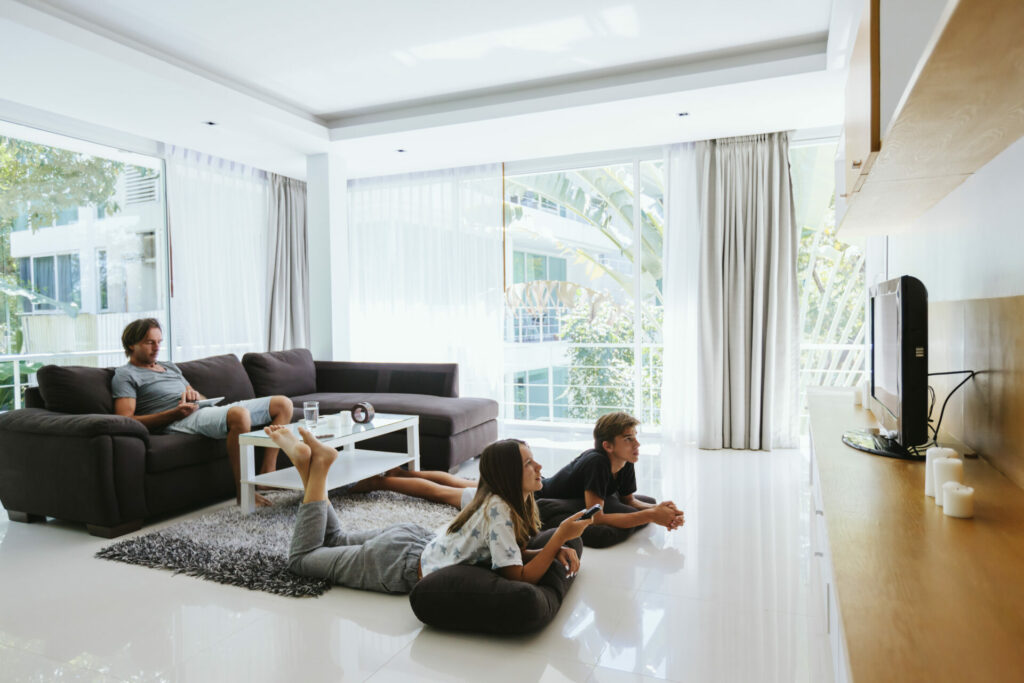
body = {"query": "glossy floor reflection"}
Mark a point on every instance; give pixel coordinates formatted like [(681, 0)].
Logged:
[(726, 598)]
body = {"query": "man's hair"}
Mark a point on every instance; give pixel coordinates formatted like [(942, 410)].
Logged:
[(136, 331), (501, 473), (610, 426)]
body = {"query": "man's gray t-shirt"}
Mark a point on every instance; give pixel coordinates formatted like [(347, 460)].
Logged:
[(153, 391)]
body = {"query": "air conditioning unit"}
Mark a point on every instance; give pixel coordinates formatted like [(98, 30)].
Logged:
[(141, 185)]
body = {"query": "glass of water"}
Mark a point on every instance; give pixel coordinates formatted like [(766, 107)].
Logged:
[(311, 413)]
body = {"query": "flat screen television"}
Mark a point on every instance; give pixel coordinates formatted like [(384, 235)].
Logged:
[(898, 319)]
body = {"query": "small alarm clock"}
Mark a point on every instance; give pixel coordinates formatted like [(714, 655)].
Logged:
[(362, 412)]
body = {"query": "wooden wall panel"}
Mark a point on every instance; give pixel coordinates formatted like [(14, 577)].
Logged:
[(989, 415)]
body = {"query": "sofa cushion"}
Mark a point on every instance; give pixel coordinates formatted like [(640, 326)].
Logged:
[(281, 372), (219, 376), (476, 599), (439, 416), (76, 389), (436, 379), (173, 450)]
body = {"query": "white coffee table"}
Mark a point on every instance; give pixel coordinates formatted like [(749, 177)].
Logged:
[(352, 464)]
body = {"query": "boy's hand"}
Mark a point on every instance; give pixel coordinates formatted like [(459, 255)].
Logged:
[(569, 559), (672, 506), (677, 522), (666, 515)]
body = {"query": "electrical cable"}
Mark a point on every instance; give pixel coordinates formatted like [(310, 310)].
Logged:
[(970, 374)]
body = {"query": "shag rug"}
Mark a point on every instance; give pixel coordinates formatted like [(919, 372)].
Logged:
[(252, 550)]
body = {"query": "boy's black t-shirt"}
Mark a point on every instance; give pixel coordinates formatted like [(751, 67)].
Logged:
[(590, 471)]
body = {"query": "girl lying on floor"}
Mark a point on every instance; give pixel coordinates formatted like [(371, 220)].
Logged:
[(493, 529)]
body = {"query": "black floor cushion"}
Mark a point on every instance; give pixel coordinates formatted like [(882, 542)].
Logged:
[(466, 598)]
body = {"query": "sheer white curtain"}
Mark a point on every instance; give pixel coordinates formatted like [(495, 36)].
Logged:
[(680, 286), (426, 272), (218, 218)]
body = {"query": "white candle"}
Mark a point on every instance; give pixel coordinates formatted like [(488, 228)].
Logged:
[(946, 469), (340, 422), (929, 466), (957, 500)]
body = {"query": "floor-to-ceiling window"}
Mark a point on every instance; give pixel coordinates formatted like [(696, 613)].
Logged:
[(82, 235), (583, 299), (830, 276)]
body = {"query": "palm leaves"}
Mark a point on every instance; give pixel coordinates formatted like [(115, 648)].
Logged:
[(605, 199)]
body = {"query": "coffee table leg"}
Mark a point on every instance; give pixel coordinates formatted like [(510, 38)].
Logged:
[(412, 441), (248, 468)]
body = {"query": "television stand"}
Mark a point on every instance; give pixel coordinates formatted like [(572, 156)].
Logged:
[(864, 440)]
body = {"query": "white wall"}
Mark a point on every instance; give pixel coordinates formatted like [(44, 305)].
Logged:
[(905, 30), (971, 244)]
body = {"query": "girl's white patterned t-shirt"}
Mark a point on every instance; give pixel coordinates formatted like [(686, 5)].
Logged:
[(487, 537)]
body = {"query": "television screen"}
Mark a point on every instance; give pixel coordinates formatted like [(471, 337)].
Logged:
[(899, 370), (886, 355)]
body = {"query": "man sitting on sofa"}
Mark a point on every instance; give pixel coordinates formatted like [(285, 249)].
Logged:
[(157, 395)]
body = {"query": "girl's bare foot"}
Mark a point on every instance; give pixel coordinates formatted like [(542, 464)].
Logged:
[(296, 451), (321, 454)]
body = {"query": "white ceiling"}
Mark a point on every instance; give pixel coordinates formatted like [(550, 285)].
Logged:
[(452, 82)]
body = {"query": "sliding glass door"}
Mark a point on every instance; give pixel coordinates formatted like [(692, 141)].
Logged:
[(583, 304), (81, 252)]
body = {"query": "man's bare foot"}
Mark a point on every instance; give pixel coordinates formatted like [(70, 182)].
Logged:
[(320, 453), (261, 501)]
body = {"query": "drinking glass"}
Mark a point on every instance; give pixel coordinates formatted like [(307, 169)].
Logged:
[(311, 413)]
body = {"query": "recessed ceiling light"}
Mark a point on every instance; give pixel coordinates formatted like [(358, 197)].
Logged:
[(683, 113)]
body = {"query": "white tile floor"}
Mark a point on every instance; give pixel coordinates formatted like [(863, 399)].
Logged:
[(726, 598)]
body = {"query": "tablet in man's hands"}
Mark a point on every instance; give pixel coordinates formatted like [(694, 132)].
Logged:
[(209, 401)]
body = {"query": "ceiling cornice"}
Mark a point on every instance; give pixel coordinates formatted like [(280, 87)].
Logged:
[(784, 58), (56, 22)]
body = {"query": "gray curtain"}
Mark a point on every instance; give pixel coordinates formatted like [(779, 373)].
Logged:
[(748, 347), (288, 266)]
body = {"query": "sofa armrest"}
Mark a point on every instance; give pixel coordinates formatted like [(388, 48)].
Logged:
[(431, 379), (48, 423), (81, 468)]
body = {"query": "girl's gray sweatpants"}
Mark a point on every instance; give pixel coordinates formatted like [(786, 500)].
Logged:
[(384, 560)]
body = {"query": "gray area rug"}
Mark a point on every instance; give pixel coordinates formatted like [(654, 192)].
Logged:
[(252, 550)]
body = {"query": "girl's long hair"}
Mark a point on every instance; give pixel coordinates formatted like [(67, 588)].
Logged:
[(501, 473)]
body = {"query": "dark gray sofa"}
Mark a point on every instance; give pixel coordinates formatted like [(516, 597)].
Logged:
[(66, 455), (452, 429)]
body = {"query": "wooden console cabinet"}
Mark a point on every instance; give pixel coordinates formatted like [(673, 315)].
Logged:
[(910, 594)]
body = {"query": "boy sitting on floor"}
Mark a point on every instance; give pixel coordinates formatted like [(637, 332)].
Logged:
[(605, 475)]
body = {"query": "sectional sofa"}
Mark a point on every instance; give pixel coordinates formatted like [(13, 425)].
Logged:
[(67, 455)]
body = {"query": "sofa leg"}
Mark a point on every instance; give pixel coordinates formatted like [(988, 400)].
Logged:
[(25, 517), (114, 531)]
